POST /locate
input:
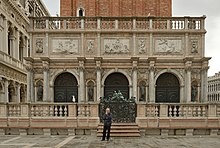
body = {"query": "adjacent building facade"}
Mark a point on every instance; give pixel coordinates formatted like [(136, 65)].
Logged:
[(214, 88), (99, 49)]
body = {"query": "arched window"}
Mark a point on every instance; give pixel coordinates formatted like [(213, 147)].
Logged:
[(80, 12)]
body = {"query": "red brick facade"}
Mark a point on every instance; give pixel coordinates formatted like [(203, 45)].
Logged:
[(117, 8)]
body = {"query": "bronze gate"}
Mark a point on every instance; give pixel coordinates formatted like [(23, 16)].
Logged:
[(123, 110), (65, 87), (167, 89)]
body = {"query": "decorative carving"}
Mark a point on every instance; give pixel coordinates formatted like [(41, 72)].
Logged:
[(65, 46), (142, 46), (116, 46), (90, 46), (194, 46), (142, 91), (40, 91), (39, 45), (168, 46)]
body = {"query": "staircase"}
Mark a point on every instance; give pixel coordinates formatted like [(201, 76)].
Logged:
[(121, 130)]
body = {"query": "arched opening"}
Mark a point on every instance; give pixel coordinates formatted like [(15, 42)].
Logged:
[(116, 82), (65, 88), (167, 89), (22, 94), (40, 90), (11, 93)]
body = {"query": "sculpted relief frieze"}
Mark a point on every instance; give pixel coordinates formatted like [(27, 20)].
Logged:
[(116, 46), (65, 46), (142, 47), (39, 45), (168, 45)]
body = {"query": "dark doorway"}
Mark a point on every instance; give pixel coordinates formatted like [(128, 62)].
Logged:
[(116, 82), (167, 89), (65, 87)]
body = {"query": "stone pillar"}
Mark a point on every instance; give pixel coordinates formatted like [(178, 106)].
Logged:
[(30, 83), (12, 45), (5, 36), (134, 77), (188, 67), (98, 79), (81, 95), (46, 80), (204, 80), (6, 91), (17, 42), (151, 80)]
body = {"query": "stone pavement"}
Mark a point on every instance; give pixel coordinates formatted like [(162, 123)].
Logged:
[(37, 141)]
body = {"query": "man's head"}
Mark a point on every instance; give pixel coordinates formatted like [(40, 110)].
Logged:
[(107, 110)]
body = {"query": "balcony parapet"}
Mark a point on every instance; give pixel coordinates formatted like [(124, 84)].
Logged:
[(118, 23), (9, 60)]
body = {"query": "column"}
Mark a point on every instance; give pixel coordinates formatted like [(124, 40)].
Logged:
[(30, 83), (204, 85), (5, 36), (17, 42), (134, 45), (134, 77), (6, 91), (188, 85), (151, 85), (98, 78), (81, 95), (151, 80), (46, 80)]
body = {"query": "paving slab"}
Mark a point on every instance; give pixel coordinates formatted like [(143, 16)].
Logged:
[(38, 141)]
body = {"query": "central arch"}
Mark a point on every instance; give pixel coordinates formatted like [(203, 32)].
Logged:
[(167, 89), (116, 82), (65, 87)]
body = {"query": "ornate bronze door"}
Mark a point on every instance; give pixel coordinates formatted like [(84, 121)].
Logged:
[(167, 89), (65, 87), (117, 99)]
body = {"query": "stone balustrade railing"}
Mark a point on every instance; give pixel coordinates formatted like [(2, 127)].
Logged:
[(118, 23), (193, 110), (48, 110), (91, 110), (12, 61)]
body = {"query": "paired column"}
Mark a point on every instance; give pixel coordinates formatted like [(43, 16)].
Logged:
[(30, 81), (151, 80), (46, 80), (81, 95), (188, 67), (134, 76), (204, 79), (18, 100), (98, 78)]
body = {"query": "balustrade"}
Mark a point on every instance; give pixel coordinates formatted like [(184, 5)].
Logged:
[(126, 23)]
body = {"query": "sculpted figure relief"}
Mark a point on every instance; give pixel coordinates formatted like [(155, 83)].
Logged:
[(116, 46), (68, 46), (168, 46), (39, 45), (142, 46), (194, 48)]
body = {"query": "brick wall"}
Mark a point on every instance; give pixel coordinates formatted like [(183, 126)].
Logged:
[(117, 7)]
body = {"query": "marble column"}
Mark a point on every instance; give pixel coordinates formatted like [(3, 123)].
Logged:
[(6, 91), (81, 96), (5, 36), (30, 83), (17, 43), (46, 80), (134, 81), (151, 85), (204, 85), (188, 85), (98, 84)]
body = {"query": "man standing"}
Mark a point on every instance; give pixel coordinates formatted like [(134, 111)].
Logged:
[(107, 118)]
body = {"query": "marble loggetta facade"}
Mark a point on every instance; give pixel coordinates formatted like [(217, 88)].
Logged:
[(144, 51)]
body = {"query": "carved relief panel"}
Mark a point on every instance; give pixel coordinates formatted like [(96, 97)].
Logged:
[(168, 46), (39, 45), (65, 45), (194, 43), (90, 46), (116, 46), (142, 45)]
